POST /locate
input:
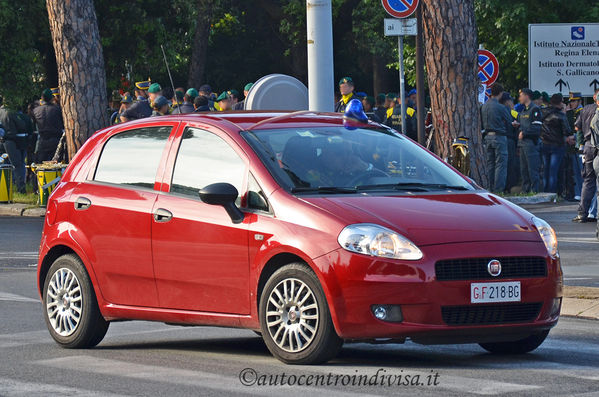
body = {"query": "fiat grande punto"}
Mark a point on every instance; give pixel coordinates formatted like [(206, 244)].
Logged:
[(308, 230)]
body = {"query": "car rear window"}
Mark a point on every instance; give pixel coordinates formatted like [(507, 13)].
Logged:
[(132, 157)]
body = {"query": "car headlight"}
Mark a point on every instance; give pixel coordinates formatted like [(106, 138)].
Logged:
[(547, 235), (375, 240)]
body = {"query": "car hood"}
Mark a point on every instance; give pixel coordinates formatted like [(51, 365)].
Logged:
[(428, 219)]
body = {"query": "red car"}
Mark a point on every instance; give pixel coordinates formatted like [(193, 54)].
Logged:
[(299, 226)]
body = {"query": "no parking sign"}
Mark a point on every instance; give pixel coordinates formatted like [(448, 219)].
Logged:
[(400, 8), (488, 67)]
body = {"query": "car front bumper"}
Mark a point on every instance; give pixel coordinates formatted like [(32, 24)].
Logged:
[(354, 283)]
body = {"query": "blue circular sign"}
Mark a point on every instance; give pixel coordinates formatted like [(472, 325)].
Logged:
[(488, 67)]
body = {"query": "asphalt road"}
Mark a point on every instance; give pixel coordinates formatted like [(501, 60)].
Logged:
[(142, 358)]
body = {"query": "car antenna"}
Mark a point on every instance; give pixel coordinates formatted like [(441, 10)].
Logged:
[(170, 76)]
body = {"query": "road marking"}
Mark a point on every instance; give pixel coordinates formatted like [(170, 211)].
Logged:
[(7, 296), (229, 384), (20, 255), (581, 240), (577, 278), (16, 388)]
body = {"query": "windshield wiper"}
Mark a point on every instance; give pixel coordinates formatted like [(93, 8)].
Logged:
[(324, 189), (412, 186)]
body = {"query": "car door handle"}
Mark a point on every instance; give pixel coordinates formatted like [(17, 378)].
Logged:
[(162, 215), (82, 203)]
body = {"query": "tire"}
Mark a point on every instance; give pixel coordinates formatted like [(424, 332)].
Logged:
[(296, 324), (70, 306), (521, 346)]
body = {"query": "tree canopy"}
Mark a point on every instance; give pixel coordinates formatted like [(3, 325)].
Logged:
[(248, 40)]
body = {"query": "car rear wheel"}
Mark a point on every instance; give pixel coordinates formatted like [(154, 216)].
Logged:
[(295, 318), (521, 346), (70, 306)]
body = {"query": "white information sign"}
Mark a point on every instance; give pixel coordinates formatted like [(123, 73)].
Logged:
[(401, 27), (564, 57)]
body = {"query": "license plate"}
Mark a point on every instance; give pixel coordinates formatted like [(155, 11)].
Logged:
[(495, 292)]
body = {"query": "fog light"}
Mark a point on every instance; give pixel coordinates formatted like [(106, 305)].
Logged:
[(555, 307), (390, 313)]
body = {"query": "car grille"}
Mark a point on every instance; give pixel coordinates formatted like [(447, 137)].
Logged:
[(476, 268), (491, 314)]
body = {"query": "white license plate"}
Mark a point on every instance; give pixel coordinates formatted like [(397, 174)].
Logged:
[(495, 292)]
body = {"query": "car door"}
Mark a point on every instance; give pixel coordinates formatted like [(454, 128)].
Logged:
[(113, 208), (200, 256)]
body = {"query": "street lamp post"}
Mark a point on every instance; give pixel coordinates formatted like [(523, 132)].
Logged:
[(319, 22)]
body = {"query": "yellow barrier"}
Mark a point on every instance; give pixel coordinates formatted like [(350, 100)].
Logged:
[(6, 189), (48, 175)]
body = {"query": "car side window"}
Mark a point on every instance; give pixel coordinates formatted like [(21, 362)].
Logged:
[(205, 158), (132, 157)]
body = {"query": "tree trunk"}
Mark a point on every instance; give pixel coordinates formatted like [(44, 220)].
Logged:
[(450, 41), (81, 75), (199, 51)]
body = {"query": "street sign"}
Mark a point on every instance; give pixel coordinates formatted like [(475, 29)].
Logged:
[(564, 57), (400, 8), (401, 27), (488, 67)]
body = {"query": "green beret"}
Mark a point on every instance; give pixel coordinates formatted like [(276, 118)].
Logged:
[(536, 95), (347, 80), (381, 97), (223, 96), (248, 86), (179, 95), (47, 95), (391, 95), (370, 100), (545, 96), (233, 92), (192, 93), (154, 88)]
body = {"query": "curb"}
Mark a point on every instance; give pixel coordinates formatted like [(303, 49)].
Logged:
[(21, 210), (581, 302), (539, 198)]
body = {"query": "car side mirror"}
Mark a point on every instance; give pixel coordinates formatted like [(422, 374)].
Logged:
[(223, 194)]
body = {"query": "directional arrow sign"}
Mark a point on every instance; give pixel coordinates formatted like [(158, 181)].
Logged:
[(561, 83), (594, 84)]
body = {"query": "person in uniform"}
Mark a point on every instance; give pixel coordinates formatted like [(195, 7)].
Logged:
[(140, 109), (496, 121), (346, 89), (200, 104), (554, 133), (380, 110), (394, 119), (48, 118), (126, 102), (56, 95), (223, 102), (589, 152), (114, 106), (206, 91), (529, 123), (177, 102), (160, 106), (188, 100), (368, 105), (246, 90), (513, 166), (574, 161), (233, 97), (14, 142), (412, 98)]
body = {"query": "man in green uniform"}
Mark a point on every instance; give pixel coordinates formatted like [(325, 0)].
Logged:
[(346, 89)]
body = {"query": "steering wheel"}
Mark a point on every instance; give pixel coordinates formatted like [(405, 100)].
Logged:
[(366, 175)]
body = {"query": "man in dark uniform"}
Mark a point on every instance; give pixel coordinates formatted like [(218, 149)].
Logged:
[(200, 104), (140, 109), (394, 119), (188, 99), (368, 105), (14, 142), (48, 118), (589, 153), (223, 102), (160, 106), (513, 166), (529, 122), (573, 168), (246, 90), (346, 89), (177, 102), (380, 110), (206, 91), (496, 122)]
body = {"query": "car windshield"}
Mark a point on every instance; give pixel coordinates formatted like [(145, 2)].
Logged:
[(335, 159)]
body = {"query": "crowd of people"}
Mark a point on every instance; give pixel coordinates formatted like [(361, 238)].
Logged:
[(539, 142), (548, 143)]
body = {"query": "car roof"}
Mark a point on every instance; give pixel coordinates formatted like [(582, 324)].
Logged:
[(244, 120)]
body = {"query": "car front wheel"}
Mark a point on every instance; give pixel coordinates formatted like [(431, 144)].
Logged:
[(70, 306), (295, 318), (521, 346)]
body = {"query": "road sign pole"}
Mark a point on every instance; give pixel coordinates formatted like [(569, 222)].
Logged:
[(402, 89), (321, 86), (420, 113)]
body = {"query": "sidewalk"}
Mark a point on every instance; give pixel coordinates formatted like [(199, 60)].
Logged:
[(582, 302), (21, 210)]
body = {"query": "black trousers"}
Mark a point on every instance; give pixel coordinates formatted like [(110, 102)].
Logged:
[(589, 180)]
